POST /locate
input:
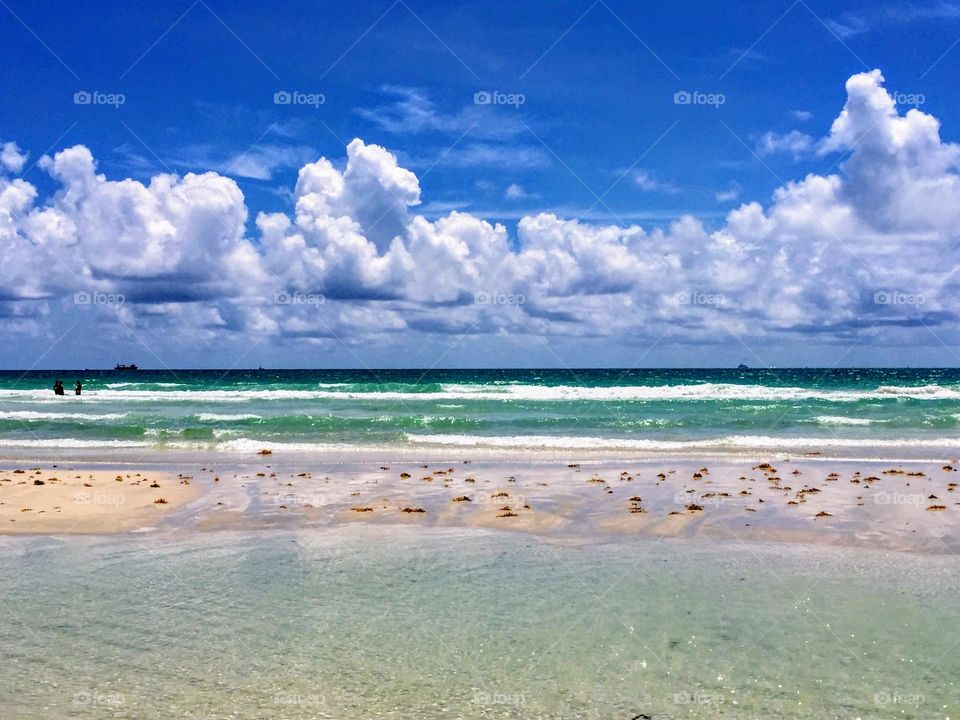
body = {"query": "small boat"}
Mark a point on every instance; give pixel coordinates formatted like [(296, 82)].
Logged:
[(741, 366), (125, 367)]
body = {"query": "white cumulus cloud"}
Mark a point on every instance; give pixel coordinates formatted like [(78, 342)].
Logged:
[(352, 258)]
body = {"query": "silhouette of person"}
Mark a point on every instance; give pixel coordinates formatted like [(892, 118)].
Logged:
[(77, 388), (58, 388)]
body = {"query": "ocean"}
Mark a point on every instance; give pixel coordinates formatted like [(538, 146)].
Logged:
[(840, 411)]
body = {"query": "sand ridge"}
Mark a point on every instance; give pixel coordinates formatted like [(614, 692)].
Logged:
[(913, 505), (59, 499)]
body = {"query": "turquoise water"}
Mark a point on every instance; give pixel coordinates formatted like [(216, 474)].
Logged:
[(446, 624), (643, 410)]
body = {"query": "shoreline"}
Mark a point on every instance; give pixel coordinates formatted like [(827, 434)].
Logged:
[(909, 506), (200, 454)]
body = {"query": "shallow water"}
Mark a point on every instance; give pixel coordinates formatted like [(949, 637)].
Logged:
[(404, 623)]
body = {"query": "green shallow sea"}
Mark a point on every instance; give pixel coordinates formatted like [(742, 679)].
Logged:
[(403, 623)]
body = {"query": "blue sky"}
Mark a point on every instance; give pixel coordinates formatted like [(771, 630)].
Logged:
[(585, 125)]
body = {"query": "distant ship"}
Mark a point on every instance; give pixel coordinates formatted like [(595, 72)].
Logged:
[(741, 366), (125, 367)]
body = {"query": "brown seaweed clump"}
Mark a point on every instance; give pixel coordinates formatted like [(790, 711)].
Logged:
[(461, 498), (413, 510), (362, 509)]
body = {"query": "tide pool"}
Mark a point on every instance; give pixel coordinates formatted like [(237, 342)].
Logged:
[(401, 622)]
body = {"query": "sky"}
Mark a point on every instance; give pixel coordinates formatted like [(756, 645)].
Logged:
[(202, 183)]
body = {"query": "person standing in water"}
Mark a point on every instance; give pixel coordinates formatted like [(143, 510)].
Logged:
[(58, 388), (77, 388)]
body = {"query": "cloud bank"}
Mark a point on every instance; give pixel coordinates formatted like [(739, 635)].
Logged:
[(869, 246)]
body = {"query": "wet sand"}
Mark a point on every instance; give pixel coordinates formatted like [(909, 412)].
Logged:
[(906, 506), (61, 499)]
